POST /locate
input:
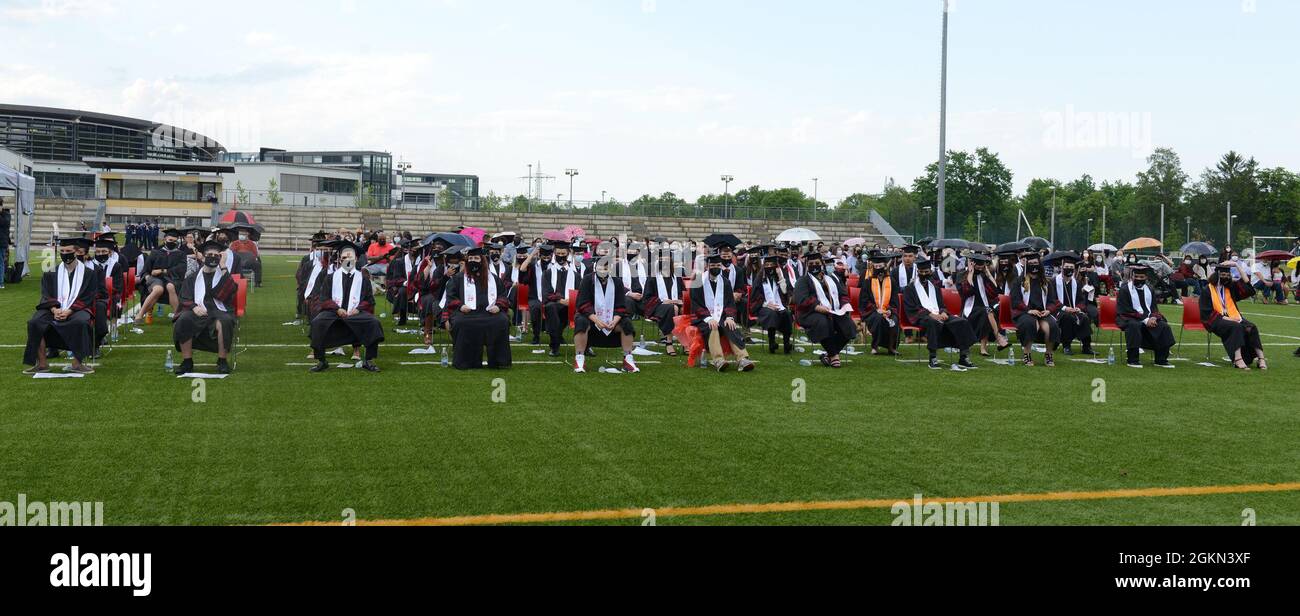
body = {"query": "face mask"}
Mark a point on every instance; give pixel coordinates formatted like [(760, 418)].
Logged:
[(1139, 283), (815, 270), (244, 237), (68, 257), (101, 258), (1225, 279), (561, 259), (496, 256), (475, 267), (172, 243), (715, 270), (1068, 272), (784, 260), (603, 274), (1187, 262), (211, 261), (349, 263)]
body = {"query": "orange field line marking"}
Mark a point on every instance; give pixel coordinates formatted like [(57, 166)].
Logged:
[(840, 505)]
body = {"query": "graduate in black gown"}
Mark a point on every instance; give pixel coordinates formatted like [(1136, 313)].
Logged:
[(1075, 296), (634, 273), (665, 299), (558, 282), (425, 286), (164, 268), (63, 320), (538, 265), (1033, 310), (479, 304), (824, 310), (769, 302), (1220, 314), (396, 277), (111, 275), (602, 319), (1140, 319), (878, 305), (714, 308), (347, 312), (308, 269), (207, 318), (923, 301), (979, 295)]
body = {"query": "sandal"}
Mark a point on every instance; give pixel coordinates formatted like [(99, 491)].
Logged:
[(1262, 364), (1029, 360), (1241, 365), (1050, 361), (671, 351), (826, 361), (835, 363)]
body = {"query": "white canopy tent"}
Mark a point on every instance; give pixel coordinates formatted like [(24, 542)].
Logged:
[(23, 187)]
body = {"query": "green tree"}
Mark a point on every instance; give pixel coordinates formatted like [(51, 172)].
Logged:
[(273, 192), (975, 182)]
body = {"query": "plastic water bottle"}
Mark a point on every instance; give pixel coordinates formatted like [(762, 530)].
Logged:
[(1011, 357), (168, 364), (805, 363), (1110, 359), (641, 344), (158, 310), (445, 361)]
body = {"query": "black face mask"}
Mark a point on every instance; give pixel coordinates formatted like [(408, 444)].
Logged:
[(1139, 283), (1225, 280), (815, 270), (101, 258), (715, 270), (68, 257), (495, 257), (785, 260), (211, 261), (1069, 272), (172, 244), (562, 259), (771, 272), (475, 267)]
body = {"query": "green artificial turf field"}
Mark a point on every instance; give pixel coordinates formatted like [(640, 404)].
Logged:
[(274, 444)]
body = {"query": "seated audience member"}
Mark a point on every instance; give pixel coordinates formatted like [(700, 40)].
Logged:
[(714, 307), (63, 320), (602, 319), (1140, 319), (923, 301), (207, 317), (479, 305), (347, 312), (1220, 314), (824, 310)]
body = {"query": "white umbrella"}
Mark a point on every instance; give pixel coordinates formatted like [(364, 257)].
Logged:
[(798, 235), (1102, 248)]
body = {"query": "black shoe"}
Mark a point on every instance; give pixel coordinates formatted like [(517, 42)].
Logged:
[(1069, 350), (186, 367), (369, 366), (321, 366), (935, 364), (223, 366), (536, 341), (966, 363), (591, 352), (554, 353)]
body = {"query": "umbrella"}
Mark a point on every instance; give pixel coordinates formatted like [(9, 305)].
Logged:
[(1012, 247), (450, 239), (1102, 248), (1142, 243), (1293, 263), (718, 240), (925, 241), (1274, 255), (857, 241), (235, 216), (1198, 249), (556, 236), (955, 244), (254, 231), (798, 235), (1062, 254), (1037, 243), (474, 233), (575, 231)]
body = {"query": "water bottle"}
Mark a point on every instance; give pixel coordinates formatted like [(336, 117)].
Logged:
[(1110, 359), (805, 363), (641, 344), (168, 365), (445, 361), (1011, 357), (158, 310)]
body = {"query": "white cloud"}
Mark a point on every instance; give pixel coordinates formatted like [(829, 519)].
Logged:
[(40, 10)]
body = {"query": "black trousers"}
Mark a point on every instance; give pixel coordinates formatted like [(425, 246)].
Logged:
[(1138, 336), (956, 332), (557, 320)]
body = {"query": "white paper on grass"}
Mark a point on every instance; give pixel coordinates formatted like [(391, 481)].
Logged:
[(58, 375), (424, 351), (640, 351), (200, 375)]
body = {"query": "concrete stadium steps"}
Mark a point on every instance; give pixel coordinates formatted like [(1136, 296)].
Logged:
[(290, 227)]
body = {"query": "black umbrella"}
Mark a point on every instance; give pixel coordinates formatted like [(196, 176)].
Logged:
[(978, 247), (1037, 243), (450, 239), (955, 244), (1199, 249), (925, 242), (718, 240), (1012, 247), (1063, 254)]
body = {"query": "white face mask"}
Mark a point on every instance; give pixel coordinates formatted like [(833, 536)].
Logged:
[(243, 236), (348, 263)]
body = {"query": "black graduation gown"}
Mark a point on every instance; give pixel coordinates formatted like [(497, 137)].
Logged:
[(955, 333), (474, 331), (556, 314), (1243, 336), (1136, 334), (767, 318), (700, 309), (74, 334), (979, 311), (301, 276), (173, 261), (656, 310), (1027, 325), (1076, 326), (634, 306), (883, 333), (831, 331), (203, 330), (587, 307), (329, 330), (106, 303)]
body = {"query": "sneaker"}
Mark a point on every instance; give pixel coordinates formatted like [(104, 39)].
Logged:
[(747, 365), (36, 370), (553, 353), (320, 366), (966, 363), (630, 366), (81, 369), (1134, 364), (1049, 361), (591, 352), (720, 365), (369, 366), (186, 367), (579, 370), (935, 364), (223, 366), (1165, 365)]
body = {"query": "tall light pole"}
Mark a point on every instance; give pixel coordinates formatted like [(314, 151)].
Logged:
[(1228, 240), (602, 196), (1053, 233), (1103, 224), (571, 173), (530, 183), (1189, 229), (979, 226), (943, 125), (1088, 239), (927, 209), (726, 195), (1162, 224)]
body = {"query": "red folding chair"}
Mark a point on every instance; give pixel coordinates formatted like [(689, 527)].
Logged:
[(573, 306), (1107, 311), (905, 325), (1005, 322), (855, 297), (241, 306), (1192, 322), (521, 297)]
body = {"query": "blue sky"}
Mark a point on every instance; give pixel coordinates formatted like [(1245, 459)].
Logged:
[(654, 95)]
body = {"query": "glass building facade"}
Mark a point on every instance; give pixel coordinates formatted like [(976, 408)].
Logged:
[(48, 134), (376, 169)]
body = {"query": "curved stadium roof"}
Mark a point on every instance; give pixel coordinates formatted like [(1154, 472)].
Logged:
[(50, 133)]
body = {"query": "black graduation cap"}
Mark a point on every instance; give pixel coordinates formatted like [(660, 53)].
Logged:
[(106, 241), (1140, 268), (559, 244), (212, 245), (454, 251), (339, 245), (924, 264), (1227, 267), (813, 254), (546, 249), (911, 249), (977, 257), (477, 251), (173, 232), (714, 256), (78, 241), (772, 259), (320, 238)]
